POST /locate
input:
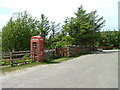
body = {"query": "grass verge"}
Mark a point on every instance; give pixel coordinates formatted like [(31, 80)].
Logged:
[(52, 61)]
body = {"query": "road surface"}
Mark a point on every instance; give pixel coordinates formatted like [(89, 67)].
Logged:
[(89, 71)]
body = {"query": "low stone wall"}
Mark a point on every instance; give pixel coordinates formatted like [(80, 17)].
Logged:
[(65, 52), (49, 54), (72, 50), (62, 52)]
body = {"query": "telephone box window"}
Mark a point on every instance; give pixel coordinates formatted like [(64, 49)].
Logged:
[(34, 45)]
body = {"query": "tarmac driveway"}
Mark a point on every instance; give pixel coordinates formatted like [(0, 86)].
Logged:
[(89, 71)]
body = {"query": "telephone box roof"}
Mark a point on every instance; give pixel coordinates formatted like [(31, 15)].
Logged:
[(37, 37)]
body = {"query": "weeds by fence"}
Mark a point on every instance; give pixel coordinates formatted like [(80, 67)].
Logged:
[(19, 57)]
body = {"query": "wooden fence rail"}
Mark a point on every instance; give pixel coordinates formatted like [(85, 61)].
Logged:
[(16, 58)]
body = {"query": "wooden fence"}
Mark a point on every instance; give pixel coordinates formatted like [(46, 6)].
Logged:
[(19, 57), (13, 58)]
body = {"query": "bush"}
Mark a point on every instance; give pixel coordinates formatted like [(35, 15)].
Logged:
[(109, 39), (26, 56)]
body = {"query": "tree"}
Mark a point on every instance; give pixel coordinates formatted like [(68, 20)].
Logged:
[(16, 34), (84, 28), (62, 41), (44, 29), (43, 26), (55, 28), (109, 38)]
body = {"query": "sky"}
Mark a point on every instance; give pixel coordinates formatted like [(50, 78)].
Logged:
[(58, 10)]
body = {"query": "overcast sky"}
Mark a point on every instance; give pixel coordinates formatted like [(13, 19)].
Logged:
[(58, 10)]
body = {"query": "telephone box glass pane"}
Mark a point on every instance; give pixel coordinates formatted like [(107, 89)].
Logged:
[(34, 45), (41, 45)]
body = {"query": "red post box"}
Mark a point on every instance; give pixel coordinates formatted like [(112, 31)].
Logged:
[(37, 45)]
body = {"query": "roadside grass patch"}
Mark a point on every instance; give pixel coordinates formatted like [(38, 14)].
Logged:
[(13, 68), (28, 65)]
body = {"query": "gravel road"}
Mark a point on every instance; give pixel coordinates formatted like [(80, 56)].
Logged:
[(89, 71)]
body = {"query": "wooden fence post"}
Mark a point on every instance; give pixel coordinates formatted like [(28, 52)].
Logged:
[(32, 55), (11, 62)]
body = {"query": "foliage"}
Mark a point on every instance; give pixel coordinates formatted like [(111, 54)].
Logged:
[(66, 40), (54, 31), (110, 38), (16, 34), (21, 26), (26, 56), (0, 34), (55, 28), (43, 26), (84, 27)]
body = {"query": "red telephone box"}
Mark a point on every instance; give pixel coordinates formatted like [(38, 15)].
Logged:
[(37, 45)]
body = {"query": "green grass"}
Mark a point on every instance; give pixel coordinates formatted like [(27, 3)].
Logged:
[(13, 68), (52, 61), (66, 58), (17, 61), (60, 59)]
